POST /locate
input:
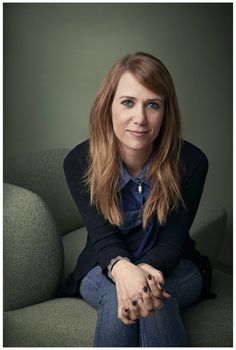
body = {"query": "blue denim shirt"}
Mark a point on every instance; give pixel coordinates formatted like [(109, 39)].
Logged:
[(132, 210)]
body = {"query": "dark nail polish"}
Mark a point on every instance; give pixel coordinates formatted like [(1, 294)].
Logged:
[(149, 277), (134, 302), (145, 289)]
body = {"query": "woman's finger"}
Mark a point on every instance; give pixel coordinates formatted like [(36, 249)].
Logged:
[(154, 288), (144, 312), (166, 294), (123, 315), (158, 303), (134, 310), (147, 299)]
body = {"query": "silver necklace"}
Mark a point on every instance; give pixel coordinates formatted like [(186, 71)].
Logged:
[(139, 183), (140, 189)]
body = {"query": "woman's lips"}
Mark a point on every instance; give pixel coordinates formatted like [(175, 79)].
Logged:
[(137, 133)]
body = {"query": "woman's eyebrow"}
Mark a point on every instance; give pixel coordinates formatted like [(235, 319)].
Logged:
[(155, 99), (149, 99), (130, 97)]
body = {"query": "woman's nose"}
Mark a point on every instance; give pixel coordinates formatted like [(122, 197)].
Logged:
[(139, 116)]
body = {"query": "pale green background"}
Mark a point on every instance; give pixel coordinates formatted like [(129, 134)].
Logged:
[(55, 56)]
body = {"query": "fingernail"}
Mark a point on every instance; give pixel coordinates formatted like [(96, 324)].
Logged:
[(134, 302), (166, 291), (145, 289), (149, 277)]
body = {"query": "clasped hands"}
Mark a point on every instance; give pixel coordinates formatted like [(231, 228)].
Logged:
[(139, 290)]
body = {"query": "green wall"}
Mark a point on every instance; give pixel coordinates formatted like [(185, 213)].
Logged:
[(55, 56)]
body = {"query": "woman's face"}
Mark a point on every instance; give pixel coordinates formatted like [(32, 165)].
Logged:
[(137, 115)]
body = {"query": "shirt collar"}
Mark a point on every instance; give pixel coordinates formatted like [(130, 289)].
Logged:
[(126, 177)]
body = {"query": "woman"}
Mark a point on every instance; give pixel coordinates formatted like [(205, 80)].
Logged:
[(138, 185)]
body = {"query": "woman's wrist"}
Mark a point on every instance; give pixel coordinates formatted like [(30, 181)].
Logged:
[(113, 262), (120, 264)]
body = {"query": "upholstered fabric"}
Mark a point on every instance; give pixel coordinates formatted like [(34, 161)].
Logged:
[(58, 322), (210, 322), (73, 243), (42, 173), (33, 252), (71, 322)]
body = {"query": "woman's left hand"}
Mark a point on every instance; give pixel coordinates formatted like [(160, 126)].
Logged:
[(155, 277)]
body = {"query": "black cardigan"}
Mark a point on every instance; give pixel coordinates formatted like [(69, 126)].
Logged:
[(104, 240)]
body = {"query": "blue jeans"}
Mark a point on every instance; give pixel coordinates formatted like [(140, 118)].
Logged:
[(164, 329)]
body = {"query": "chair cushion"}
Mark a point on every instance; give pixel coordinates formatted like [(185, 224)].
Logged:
[(33, 252), (73, 243), (70, 322), (60, 322), (210, 322)]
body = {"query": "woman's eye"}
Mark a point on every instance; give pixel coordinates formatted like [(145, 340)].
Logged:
[(127, 103), (153, 105)]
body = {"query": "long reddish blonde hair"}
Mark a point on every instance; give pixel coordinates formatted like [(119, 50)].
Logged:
[(103, 175)]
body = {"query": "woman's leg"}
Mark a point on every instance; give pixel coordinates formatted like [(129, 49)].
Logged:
[(99, 292), (166, 328)]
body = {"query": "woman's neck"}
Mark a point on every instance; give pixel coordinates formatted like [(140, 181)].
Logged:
[(135, 160)]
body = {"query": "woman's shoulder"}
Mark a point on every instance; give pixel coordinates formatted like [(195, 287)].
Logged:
[(78, 154), (192, 154), (80, 150), (192, 157)]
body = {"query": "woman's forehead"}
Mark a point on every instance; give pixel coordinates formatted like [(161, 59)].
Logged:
[(130, 86)]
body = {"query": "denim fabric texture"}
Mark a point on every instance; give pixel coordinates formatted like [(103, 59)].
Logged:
[(164, 329), (132, 204)]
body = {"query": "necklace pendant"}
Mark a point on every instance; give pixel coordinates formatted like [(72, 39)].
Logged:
[(140, 190)]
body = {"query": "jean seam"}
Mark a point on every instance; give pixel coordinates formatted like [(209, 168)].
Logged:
[(143, 336)]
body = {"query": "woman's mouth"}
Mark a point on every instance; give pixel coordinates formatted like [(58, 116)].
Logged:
[(137, 133)]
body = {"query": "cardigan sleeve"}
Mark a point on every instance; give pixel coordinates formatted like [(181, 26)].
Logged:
[(105, 238), (173, 235)]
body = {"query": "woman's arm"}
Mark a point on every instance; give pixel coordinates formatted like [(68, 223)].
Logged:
[(104, 237), (172, 236)]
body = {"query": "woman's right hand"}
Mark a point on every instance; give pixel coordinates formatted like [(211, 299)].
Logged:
[(133, 293)]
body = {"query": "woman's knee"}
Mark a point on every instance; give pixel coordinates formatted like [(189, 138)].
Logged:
[(108, 294), (185, 283), (96, 289)]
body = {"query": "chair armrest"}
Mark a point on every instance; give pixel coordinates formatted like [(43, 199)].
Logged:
[(33, 252)]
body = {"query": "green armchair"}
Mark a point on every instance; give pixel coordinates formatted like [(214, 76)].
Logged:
[(43, 235)]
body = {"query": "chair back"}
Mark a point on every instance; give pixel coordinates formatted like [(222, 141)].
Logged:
[(42, 172)]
